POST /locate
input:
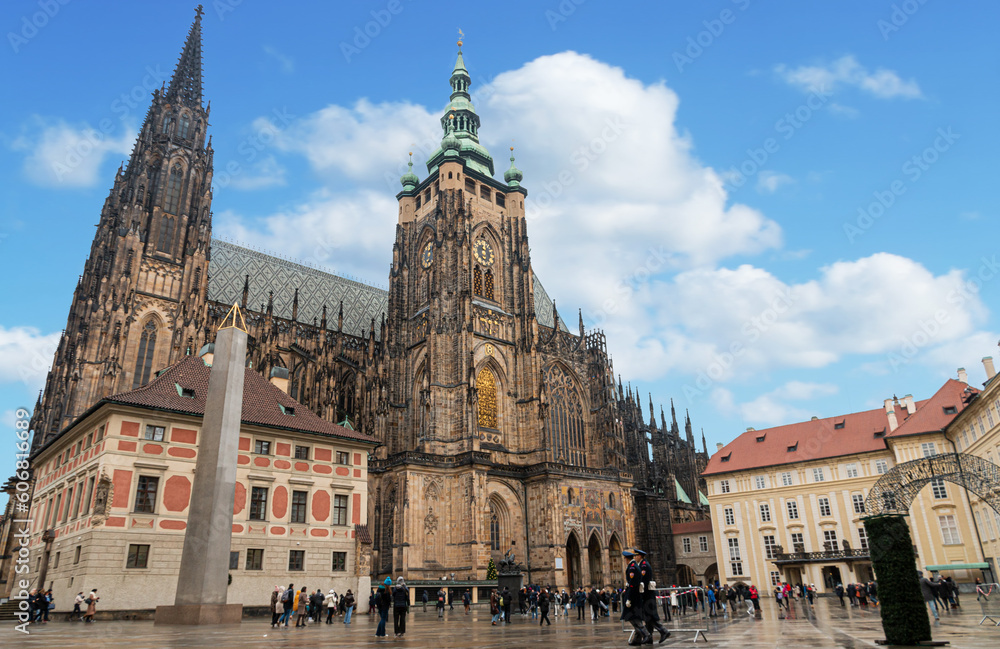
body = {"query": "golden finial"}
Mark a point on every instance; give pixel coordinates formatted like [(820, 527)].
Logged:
[(234, 320), (461, 36)]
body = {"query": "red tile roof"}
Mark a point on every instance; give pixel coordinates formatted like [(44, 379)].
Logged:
[(821, 438), (261, 400), (693, 527)]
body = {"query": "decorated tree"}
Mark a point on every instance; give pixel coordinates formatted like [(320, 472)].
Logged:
[(904, 613), (491, 570)]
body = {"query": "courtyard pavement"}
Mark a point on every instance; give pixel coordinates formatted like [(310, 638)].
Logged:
[(828, 625)]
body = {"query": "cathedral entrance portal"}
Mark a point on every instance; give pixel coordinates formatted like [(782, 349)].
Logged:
[(615, 562), (573, 577), (596, 565)]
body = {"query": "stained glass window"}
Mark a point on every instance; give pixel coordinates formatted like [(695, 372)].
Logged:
[(564, 425), (183, 125), (488, 285), (494, 528), (165, 243), (144, 359), (486, 385), (173, 197), (477, 281)]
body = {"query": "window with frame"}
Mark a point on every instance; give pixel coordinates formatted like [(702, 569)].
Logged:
[(765, 513), (564, 423), (145, 494), (881, 467), (730, 518), (793, 509), (824, 507), (928, 449), (759, 482), (734, 549), (851, 470), (938, 489), (830, 540), (798, 541), (138, 556), (301, 452), (340, 509), (144, 359), (703, 543), (724, 486), (786, 479), (234, 559), (863, 536), (300, 500), (343, 457), (258, 504), (858, 501), (255, 559), (55, 563), (486, 386), (736, 568), (296, 560), (775, 578), (262, 447), (339, 562), (173, 196), (76, 554), (686, 543), (818, 475), (949, 530), (154, 433), (770, 547)]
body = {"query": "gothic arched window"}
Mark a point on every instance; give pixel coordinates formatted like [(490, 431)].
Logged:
[(173, 198), (486, 386), (167, 121), (144, 359), (183, 125), (345, 401), (165, 243), (496, 532), (477, 281), (488, 285), (564, 424)]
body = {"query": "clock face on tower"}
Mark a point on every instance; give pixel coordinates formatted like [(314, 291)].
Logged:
[(427, 256), (483, 252)]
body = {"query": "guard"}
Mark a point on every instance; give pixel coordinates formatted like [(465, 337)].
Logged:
[(647, 590), (632, 604)]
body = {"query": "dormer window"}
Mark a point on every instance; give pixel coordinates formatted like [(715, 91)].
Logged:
[(879, 433), (950, 410), (839, 425), (184, 392), (794, 447), (287, 410), (760, 438), (725, 458)]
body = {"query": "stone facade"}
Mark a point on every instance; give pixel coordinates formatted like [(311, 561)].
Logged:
[(499, 427)]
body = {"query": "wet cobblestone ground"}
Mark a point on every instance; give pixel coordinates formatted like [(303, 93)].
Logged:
[(828, 625)]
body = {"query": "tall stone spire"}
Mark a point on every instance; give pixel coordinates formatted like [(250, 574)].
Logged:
[(185, 86)]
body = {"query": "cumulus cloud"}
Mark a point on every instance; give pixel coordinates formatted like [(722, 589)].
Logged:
[(848, 72), (264, 174), (59, 154), (25, 355), (773, 408)]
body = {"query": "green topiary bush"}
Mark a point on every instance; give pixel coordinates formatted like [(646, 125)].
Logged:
[(904, 614)]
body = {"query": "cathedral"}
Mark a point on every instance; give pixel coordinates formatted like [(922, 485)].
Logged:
[(501, 428)]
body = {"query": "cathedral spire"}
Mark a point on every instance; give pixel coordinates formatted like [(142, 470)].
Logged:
[(185, 86), (704, 446), (674, 428)]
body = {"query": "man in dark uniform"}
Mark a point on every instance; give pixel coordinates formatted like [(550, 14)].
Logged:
[(632, 605), (648, 596)]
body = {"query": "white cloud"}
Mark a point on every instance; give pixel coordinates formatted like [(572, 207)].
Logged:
[(286, 62), (59, 154), (264, 174), (768, 182), (772, 409), (846, 71), (26, 354)]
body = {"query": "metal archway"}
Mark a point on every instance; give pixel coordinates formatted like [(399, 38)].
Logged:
[(894, 492)]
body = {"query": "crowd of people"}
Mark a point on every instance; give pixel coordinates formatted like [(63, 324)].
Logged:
[(41, 602), (940, 594), (309, 607)]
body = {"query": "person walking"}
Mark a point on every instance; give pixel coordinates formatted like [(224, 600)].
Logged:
[(632, 605), (423, 599), (466, 600), (317, 602), (287, 600), (441, 597), (927, 588), (810, 593), (347, 601), (275, 600), (507, 604), (647, 590), (494, 606), (301, 607), (543, 607), (400, 606), (720, 598), (755, 601), (332, 602), (581, 601), (710, 595), (383, 600), (839, 590), (77, 603), (91, 603)]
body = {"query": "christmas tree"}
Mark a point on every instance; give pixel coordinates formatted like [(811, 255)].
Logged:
[(491, 570)]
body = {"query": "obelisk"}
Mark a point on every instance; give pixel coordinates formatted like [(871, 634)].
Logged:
[(204, 572)]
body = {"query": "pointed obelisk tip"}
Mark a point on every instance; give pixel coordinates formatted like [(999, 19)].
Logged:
[(234, 319)]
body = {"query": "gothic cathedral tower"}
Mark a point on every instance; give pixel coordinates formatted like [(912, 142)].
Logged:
[(140, 302), (498, 424)]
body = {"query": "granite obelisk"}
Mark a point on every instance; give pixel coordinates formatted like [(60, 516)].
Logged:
[(204, 572)]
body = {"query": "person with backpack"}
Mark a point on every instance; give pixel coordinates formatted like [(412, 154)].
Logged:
[(347, 601), (400, 607), (442, 596), (287, 599), (383, 600)]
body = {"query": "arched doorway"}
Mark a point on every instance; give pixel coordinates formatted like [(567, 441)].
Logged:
[(596, 565), (685, 575), (573, 562), (615, 562), (712, 574)]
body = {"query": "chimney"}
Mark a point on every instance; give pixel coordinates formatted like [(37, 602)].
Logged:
[(910, 406), (890, 414), (963, 376), (990, 370), (750, 429), (279, 378), (813, 418), (207, 353), (718, 446)]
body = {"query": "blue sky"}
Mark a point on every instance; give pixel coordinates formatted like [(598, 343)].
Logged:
[(774, 210)]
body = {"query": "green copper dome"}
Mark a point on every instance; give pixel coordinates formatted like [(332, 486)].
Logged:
[(409, 179), (513, 176), (460, 124)]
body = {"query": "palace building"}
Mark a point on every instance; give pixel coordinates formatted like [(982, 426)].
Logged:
[(498, 426)]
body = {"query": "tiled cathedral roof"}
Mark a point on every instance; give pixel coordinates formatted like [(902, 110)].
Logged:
[(230, 264)]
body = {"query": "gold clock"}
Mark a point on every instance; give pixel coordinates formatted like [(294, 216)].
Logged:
[(427, 256), (483, 252)]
